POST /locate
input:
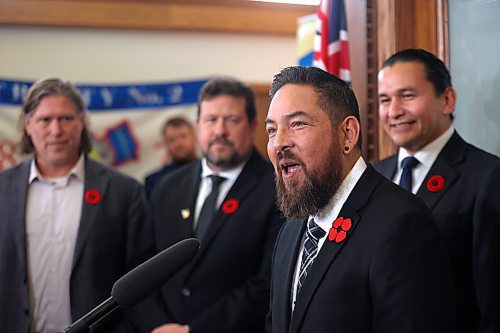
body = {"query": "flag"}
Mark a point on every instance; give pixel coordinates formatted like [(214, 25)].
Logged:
[(331, 45), (306, 33)]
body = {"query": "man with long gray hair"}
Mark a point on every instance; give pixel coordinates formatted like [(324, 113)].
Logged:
[(69, 226)]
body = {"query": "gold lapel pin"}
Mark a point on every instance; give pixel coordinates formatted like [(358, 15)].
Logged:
[(185, 213)]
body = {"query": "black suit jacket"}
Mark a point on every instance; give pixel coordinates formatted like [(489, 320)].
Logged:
[(467, 210), (226, 287), (152, 179), (391, 274), (112, 239)]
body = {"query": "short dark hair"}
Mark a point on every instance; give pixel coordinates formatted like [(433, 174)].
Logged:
[(177, 122), (226, 85), (335, 96), (49, 87), (436, 70)]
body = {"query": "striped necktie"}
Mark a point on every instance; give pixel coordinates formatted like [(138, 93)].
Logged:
[(310, 250)]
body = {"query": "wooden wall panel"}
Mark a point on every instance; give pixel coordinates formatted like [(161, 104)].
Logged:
[(158, 15)]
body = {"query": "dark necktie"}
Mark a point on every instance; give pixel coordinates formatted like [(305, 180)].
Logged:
[(207, 212), (407, 164), (313, 234)]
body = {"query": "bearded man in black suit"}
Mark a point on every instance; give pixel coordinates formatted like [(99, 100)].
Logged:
[(358, 253), (226, 287)]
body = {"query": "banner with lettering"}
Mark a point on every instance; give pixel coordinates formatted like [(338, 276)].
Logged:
[(125, 121)]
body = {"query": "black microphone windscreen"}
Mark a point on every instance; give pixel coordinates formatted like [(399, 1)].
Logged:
[(143, 280)]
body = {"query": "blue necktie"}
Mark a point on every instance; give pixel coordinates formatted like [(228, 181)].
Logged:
[(407, 164), (313, 234)]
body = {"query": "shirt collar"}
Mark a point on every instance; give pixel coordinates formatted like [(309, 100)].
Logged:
[(428, 154), (231, 174), (330, 212), (78, 171)]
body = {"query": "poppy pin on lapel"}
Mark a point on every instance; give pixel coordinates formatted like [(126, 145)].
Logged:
[(435, 183), (230, 206), (92, 196), (339, 229)]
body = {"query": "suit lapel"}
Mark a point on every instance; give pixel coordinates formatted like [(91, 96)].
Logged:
[(452, 154), (284, 266), (95, 179), (188, 202), (245, 183), (330, 249), (20, 195), (388, 166)]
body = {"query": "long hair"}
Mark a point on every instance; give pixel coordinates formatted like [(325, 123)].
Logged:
[(49, 87)]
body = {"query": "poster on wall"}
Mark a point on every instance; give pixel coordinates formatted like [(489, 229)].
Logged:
[(125, 121)]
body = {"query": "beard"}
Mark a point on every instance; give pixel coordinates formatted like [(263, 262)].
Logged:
[(233, 160), (299, 201)]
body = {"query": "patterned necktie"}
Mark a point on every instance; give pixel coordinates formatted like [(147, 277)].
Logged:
[(407, 164), (313, 234), (207, 212)]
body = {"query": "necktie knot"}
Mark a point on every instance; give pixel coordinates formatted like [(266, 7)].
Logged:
[(314, 231), (409, 162), (216, 181)]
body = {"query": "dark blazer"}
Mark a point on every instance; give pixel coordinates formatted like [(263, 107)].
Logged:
[(152, 179), (391, 274), (467, 211), (226, 287), (112, 239)]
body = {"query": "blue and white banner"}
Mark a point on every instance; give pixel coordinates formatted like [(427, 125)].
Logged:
[(125, 121)]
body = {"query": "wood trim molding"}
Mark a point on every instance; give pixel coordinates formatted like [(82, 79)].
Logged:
[(155, 15), (443, 43)]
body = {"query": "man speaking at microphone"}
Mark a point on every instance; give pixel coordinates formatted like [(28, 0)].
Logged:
[(227, 201)]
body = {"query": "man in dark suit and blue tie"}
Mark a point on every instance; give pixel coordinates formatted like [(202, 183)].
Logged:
[(227, 200), (69, 226), (358, 253), (457, 181)]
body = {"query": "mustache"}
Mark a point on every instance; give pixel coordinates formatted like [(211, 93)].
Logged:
[(287, 154), (221, 140)]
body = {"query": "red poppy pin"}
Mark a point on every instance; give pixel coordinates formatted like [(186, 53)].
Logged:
[(435, 183), (230, 206), (92, 197), (339, 229)]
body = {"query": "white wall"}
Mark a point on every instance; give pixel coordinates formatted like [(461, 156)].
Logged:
[(122, 56), (475, 70), (96, 56)]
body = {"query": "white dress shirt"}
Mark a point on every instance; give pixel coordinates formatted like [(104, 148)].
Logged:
[(426, 156), (206, 186), (53, 210)]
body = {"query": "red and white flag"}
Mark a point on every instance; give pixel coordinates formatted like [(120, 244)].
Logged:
[(331, 45)]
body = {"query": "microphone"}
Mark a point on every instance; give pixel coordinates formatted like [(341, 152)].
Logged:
[(140, 282)]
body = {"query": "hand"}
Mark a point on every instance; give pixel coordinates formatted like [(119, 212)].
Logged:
[(171, 328)]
